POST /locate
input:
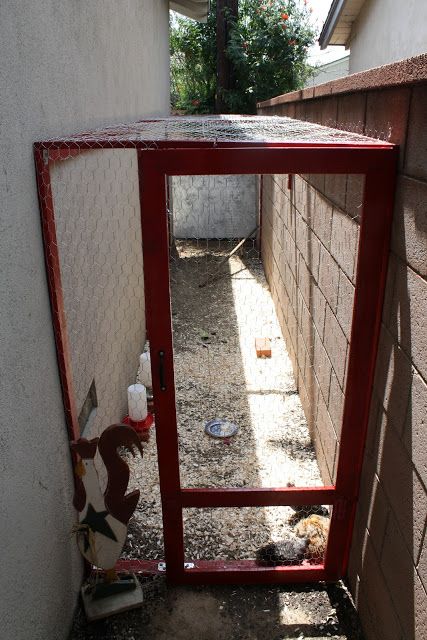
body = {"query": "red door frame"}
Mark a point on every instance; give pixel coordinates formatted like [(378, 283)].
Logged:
[(378, 163)]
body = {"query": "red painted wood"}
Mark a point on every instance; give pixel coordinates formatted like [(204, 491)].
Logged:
[(53, 271), (231, 572), (261, 206), (63, 154), (83, 144), (374, 246), (269, 160), (248, 572), (149, 567), (378, 162), (251, 497), (158, 316), (194, 158)]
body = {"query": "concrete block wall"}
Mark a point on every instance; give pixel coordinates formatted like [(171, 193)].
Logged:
[(388, 564), (214, 206), (308, 250)]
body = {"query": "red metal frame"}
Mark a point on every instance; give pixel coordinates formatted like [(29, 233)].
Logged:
[(53, 271), (378, 163)]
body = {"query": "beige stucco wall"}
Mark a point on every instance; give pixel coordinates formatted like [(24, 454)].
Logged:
[(214, 206), (98, 229), (66, 66), (387, 31), (330, 71)]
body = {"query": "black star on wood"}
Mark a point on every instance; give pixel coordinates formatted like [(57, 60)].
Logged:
[(96, 521)]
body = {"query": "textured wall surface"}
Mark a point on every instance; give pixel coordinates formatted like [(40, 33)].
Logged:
[(98, 228), (214, 206), (66, 67), (309, 248), (388, 567), (382, 35), (330, 71)]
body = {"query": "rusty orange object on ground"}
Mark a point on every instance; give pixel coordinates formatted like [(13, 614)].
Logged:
[(263, 347)]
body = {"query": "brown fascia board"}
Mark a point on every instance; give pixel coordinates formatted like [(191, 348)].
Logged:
[(408, 71)]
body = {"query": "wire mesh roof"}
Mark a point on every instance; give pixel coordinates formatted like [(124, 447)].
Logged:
[(216, 130)]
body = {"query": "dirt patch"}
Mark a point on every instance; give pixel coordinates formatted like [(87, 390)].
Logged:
[(316, 612)]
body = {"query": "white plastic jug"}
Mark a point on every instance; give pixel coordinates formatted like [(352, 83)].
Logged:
[(145, 369)]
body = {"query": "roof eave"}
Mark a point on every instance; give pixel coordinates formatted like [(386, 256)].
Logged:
[(331, 21), (195, 9)]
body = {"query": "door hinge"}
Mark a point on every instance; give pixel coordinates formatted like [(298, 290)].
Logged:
[(162, 566)]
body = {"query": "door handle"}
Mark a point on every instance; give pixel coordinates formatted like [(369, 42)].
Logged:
[(162, 371)]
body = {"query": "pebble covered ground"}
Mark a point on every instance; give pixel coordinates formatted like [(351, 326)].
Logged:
[(218, 375)]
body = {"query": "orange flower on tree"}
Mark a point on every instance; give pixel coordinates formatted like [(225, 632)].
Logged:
[(267, 37)]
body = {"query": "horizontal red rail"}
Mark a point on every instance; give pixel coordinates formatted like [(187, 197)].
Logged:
[(63, 153), (247, 571), (149, 567), (85, 145), (269, 160), (249, 497), (231, 572)]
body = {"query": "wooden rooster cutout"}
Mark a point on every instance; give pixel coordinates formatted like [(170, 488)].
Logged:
[(103, 516)]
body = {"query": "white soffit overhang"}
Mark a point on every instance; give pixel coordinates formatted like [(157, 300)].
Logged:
[(195, 9), (338, 24)]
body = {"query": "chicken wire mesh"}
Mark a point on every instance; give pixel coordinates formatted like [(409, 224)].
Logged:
[(291, 281), (98, 234), (98, 243), (214, 129), (270, 536), (290, 284)]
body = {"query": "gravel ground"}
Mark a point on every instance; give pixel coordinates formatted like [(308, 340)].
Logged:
[(219, 376)]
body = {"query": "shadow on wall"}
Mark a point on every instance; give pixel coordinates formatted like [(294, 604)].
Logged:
[(388, 567), (388, 532)]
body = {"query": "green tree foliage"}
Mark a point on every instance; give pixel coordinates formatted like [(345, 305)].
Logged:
[(267, 47)]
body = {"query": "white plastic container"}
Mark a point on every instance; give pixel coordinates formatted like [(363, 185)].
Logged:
[(145, 369), (137, 402)]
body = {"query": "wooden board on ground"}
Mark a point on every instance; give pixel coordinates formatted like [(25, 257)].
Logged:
[(104, 607)]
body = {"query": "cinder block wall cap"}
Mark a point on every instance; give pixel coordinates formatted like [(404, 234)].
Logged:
[(404, 72)]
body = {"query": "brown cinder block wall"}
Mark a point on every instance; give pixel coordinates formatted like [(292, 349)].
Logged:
[(309, 248), (309, 239)]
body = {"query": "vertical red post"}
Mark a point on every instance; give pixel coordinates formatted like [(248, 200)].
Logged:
[(53, 270), (373, 253), (154, 224), (260, 210)]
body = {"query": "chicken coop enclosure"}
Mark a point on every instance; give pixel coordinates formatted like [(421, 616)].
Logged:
[(204, 242)]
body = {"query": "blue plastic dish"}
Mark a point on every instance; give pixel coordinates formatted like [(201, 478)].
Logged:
[(219, 428)]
